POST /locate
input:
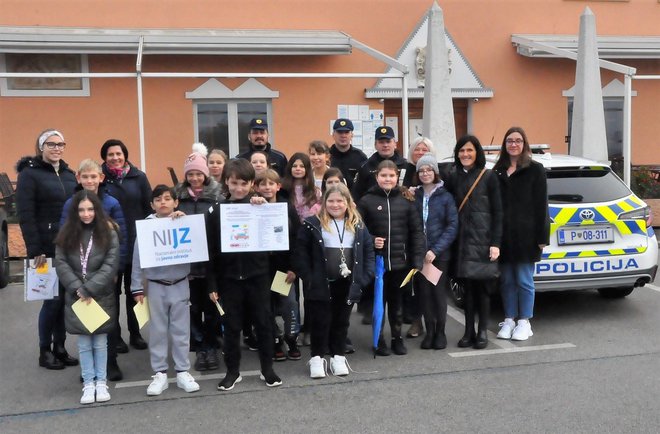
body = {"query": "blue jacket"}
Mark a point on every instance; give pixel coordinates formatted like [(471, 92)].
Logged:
[(113, 210), (310, 261), (441, 223)]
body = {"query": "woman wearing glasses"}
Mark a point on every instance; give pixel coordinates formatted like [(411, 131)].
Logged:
[(44, 183), (525, 231)]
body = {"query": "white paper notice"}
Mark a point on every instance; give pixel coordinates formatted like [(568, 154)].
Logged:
[(377, 116), (254, 228), (342, 111), (364, 112), (357, 128), (166, 241), (354, 112)]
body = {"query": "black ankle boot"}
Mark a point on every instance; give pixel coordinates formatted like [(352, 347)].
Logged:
[(398, 347), (114, 373), (427, 342), (467, 340), (48, 360), (482, 340), (60, 352), (439, 338)]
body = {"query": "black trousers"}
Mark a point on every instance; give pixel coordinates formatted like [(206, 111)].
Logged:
[(253, 295), (433, 298), (328, 321), (204, 317), (393, 300), (477, 300)]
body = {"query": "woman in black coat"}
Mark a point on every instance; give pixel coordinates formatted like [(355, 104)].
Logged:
[(44, 183), (526, 230), (130, 186), (479, 234)]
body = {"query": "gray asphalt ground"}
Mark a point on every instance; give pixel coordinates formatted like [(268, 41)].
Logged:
[(591, 366)]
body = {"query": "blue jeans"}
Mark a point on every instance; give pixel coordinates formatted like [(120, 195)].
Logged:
[(51, 322), (93, 351), (518, 290)]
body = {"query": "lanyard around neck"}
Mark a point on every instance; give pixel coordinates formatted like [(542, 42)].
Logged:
[(84, 256)]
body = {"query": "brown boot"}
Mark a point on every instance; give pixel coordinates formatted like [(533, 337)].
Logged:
[(415, 329)]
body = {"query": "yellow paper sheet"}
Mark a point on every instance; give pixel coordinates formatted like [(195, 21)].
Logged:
[(91, 315), (142, 312), (279, 284), (408, 277), (217, 305)]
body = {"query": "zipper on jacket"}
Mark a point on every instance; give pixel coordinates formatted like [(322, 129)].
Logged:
[(57, 173), (389, 230)]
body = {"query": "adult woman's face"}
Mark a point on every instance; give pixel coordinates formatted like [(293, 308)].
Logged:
[(514, 144), (468, 155), (419, 152), (115, 158), (53, 149)]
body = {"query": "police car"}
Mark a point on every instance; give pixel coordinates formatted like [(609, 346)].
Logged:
[(600, 232)]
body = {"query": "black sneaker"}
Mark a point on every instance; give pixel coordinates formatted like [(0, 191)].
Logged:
[(279, 355), (201, 363), (398, 348), (121, 346), (349, 349), (114, 373), (212, 359), (382, 349), (294, 351), (271, 379), (137, 342), (230, 381)]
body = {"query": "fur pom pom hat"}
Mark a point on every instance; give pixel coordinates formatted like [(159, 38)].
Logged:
[(197, 160)]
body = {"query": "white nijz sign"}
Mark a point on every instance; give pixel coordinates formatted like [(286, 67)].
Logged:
[(166, 241)]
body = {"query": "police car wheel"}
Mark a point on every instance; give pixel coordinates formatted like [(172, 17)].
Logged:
[(615, 292), (457, 292)]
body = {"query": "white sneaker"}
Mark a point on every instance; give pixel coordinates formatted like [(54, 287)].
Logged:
[(88, 394), (338, 365), (317, 367), (506, 328), (523, 331), (102, 394), (186, 382), (158, 384)]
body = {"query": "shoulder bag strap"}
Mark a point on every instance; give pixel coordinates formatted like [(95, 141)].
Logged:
[(474, 184)]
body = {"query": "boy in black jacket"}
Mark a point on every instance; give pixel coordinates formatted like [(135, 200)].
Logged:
[(240, 280)]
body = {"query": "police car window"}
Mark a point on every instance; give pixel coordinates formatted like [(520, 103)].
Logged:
[(584, 186)]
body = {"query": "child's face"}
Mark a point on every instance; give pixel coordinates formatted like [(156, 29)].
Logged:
[(317, 158), (216, 164), (238, 188), (387, 179), (164, 205), (336, 205), (86, 211), (259, 162), (90, 179), (195, 178), (332, 181), (298, 169), (426, 175), (268, 189)]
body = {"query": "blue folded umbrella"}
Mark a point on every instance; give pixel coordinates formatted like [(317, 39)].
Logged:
[(377, 315)]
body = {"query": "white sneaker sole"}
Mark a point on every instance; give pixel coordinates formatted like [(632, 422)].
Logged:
[(87, 401), (157, 392), (522, 338), (275, 384), (317, 376), (506, 336), (103, 398), (194, 388), (224, 389)]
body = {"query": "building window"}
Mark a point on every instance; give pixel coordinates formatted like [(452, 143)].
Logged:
[(225, 124), (44, 86)]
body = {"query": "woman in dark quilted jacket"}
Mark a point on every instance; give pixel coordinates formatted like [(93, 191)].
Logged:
[(44, 183), (477, 246)]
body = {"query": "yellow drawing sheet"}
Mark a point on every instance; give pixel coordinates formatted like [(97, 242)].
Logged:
[(408, 277), (279, 284), (91, 315), (142, 312)]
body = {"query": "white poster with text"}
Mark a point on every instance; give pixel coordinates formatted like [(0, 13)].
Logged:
[(166, 241), (253, 228)]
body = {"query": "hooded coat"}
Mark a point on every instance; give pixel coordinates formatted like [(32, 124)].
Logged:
[(40, 194)]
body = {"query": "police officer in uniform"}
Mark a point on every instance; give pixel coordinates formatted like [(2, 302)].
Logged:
[(258, 137), (343, 155)]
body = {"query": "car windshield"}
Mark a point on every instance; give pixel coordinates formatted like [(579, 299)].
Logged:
[(578, 185)]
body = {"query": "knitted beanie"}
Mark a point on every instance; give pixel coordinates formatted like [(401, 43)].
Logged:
[(428, 159), (197, 160)]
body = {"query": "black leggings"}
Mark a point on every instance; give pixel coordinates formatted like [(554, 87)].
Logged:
[(477, 299), (433, 298)]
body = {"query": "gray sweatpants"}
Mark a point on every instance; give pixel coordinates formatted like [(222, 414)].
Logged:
[(169, 320)]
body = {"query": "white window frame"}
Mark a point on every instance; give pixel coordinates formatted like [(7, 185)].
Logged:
[(83, 92)]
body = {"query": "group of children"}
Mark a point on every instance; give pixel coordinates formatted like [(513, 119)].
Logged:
[(332, 247)]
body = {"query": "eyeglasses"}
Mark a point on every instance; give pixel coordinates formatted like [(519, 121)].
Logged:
[(425, 171), (516, 141), (55, 145)]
